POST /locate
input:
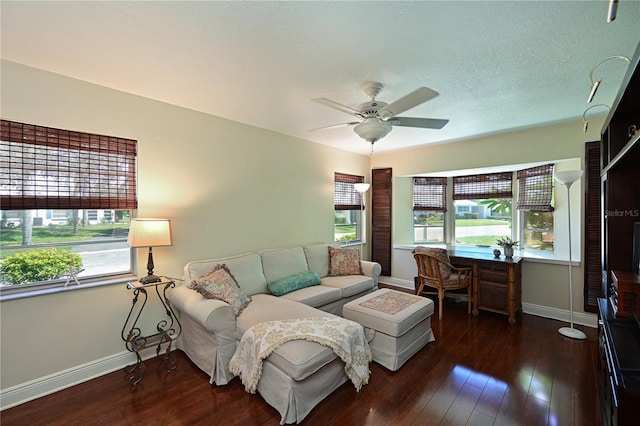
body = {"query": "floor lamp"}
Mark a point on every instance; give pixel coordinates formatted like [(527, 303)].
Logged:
[(361, 188), (567, 178)]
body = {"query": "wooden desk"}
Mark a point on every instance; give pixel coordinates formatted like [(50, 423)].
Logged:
[(497, 282)]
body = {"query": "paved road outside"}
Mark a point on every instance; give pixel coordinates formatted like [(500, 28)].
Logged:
[(435, 233)]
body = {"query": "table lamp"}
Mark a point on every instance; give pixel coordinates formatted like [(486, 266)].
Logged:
[(149, 233)]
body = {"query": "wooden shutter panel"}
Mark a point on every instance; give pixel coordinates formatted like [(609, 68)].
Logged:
[(381, 218), (592, 268)]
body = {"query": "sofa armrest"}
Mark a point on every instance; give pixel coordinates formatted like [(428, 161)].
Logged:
[(214, 315), (371, 269)]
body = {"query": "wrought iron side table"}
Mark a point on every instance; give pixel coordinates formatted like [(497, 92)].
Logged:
[(168, 329)]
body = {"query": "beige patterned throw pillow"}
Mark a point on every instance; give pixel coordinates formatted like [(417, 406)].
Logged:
[(344, 262), (220, 284)]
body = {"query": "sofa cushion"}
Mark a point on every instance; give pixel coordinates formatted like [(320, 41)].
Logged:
[(315, 296), (280, 263), (344, 262), (293, 282), (349, 284), (219, 284), (246, 268), (318, 257), (299, 358)]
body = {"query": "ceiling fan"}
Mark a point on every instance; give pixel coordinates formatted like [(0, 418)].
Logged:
[(376, 118)]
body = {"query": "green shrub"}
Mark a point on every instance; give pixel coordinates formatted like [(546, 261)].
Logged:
[(38, 265)]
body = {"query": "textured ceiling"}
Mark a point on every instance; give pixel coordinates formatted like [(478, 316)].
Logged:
[(498, 65)]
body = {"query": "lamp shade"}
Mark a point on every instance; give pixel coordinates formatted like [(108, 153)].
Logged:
[(568, 176), (361, 187), (150, 233)]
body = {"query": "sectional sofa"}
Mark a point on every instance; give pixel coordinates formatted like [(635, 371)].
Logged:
[(299, 374)]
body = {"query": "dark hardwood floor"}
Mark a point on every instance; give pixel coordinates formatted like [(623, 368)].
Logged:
[(479, 371)]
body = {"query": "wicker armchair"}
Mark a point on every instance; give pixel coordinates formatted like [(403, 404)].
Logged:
[(436, 271)]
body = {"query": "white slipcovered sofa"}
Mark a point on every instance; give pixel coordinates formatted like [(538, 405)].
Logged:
[(298, 374)]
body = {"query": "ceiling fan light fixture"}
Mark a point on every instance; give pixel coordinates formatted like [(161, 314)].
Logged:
[(373, 129)]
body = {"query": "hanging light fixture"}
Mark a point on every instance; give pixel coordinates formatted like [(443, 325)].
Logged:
[(585, 122), (595, 84), (611, 10)]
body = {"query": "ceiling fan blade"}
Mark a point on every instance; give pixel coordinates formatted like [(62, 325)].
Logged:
[(335, 105), (334, 126), (425, 123), (415, 98)]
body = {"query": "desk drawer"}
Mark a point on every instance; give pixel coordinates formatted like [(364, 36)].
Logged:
[(494, 266), (493, 296), (495, 276)]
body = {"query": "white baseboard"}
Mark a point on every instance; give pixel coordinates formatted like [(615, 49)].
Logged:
[(581, 318), (397, 282), (46, 385)]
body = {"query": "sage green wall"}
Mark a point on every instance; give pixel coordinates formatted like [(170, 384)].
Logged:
[(544, 284), (229, 188)]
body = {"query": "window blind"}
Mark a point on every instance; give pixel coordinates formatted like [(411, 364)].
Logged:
[(48, 168), (429, 193), (481, 187), (535, 188), (345, 196)]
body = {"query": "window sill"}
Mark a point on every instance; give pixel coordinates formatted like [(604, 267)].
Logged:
[(527, 255), (352, 244), (15, 292)]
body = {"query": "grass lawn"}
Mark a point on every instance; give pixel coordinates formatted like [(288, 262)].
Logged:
[(480, 222), (345, 229), (481, 240), (60, 234)]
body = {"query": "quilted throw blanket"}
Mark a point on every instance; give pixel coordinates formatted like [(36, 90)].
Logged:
[(345, 337)]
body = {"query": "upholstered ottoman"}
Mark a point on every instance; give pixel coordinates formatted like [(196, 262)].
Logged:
[(400, 323)]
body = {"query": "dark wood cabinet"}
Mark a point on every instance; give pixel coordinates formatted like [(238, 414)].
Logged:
[(620, 177), (497, 282), (619, 367), (619, 331)]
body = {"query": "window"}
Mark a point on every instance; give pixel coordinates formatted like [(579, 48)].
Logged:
[(347, 205), (482, 208), (535, 193), (67, 199), (429, 207)]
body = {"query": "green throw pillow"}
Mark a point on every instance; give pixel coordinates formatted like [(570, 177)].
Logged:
[(293, 282)]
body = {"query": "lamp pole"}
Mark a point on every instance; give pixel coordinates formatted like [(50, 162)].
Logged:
[(361, 188), (567, 178)]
